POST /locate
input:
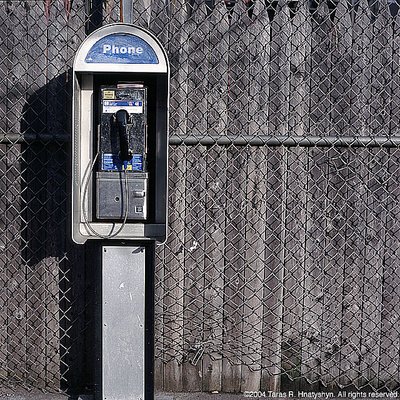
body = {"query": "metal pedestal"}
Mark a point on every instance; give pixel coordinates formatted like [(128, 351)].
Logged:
[(123, 323)]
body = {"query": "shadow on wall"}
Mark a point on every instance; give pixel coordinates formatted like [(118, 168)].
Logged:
[(47, 283), (60, 277)]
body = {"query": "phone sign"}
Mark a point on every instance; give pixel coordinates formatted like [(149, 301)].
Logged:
[(121, 48)]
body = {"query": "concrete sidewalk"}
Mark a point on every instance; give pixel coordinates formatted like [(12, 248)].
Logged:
[(38, 395), (158, 396)]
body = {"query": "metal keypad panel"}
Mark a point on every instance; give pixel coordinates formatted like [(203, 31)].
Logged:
[(112, 201)]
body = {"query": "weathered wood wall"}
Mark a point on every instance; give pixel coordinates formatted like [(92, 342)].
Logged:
[(280, 271), (42, 287), (291, 274)]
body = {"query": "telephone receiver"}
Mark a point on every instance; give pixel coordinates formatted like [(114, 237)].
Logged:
[(121, 118)]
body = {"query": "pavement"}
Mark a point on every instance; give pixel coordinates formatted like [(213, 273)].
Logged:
[(158, 396), (38, 395)]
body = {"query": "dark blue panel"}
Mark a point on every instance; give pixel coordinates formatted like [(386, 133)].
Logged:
[(120, 48)]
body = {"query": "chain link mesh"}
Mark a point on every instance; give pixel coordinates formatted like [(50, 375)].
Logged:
[(284, 261), (281, 266)]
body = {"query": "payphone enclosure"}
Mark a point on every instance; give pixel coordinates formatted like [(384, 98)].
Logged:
[(120, 136)]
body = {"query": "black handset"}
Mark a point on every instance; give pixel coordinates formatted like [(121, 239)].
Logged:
[(122, 117)]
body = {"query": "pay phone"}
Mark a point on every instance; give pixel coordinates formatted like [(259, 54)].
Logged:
[(120, 136), (119, 192), (122, 175)]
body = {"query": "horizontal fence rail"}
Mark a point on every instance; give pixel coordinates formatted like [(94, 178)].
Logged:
[(226, 140), (287, 141)]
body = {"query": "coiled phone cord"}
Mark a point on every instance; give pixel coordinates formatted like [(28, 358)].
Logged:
[(86, 179)]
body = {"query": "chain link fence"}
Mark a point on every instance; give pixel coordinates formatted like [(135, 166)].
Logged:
[(281, 266), (284, 265)]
